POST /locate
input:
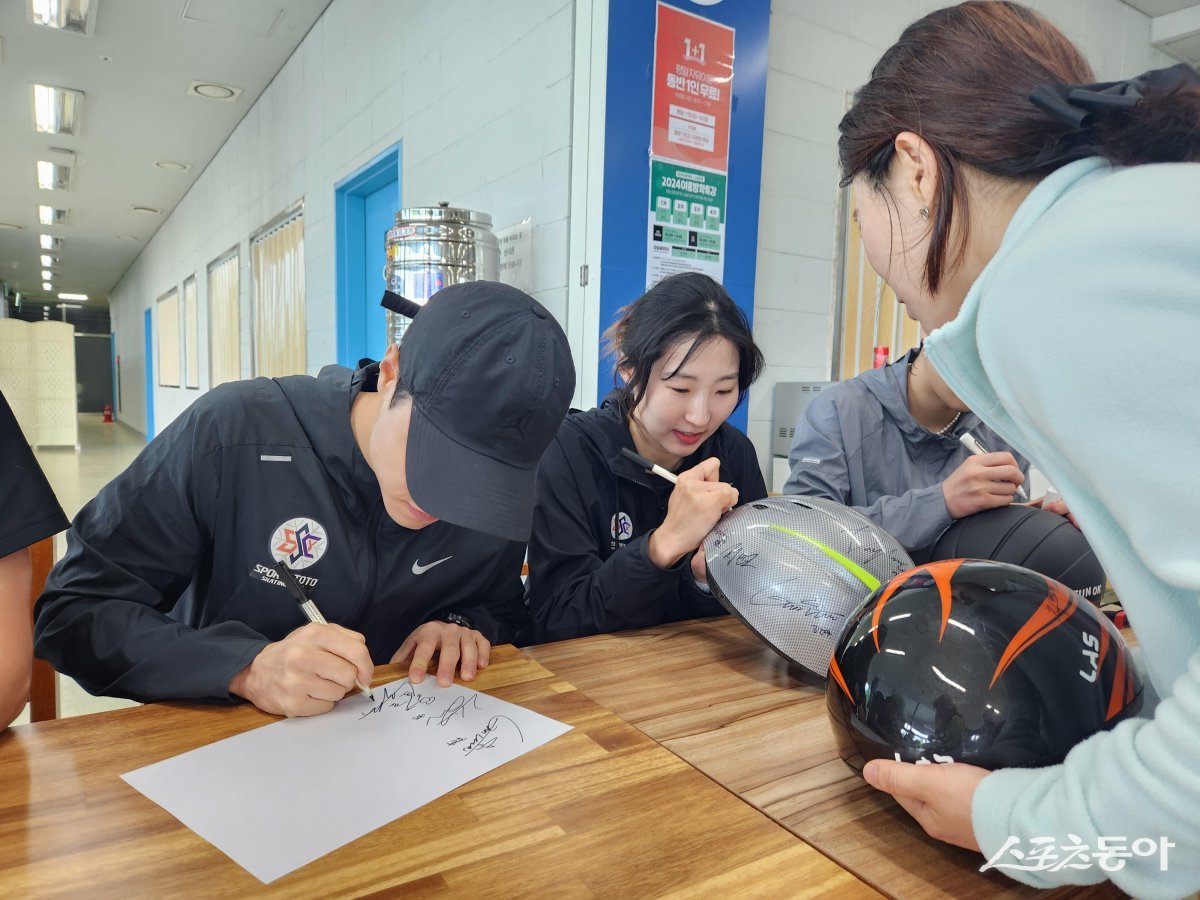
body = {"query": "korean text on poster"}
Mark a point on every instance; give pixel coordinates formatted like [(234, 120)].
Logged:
[(693, 89), (686, 224)]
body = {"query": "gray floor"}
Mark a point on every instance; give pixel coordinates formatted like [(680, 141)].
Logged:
[(77, 476)]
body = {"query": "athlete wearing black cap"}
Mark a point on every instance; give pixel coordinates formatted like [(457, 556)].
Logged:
[(399, 494)]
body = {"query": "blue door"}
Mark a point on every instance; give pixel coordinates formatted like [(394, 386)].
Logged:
[(149, 331), (365, 205), (379, 215)]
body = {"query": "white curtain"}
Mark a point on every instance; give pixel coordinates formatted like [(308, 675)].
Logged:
[(224, 325), (168, 339), (191, 335), (280, 333)]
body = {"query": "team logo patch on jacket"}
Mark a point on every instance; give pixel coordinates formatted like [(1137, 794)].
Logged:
[(621, 527), (299, 542)]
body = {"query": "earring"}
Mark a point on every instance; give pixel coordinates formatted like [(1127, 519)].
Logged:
[(923, 212)]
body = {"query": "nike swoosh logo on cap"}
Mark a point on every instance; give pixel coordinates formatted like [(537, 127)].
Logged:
[(419, 569)]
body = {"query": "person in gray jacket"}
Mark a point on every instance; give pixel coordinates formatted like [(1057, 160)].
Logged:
[(887, 444)]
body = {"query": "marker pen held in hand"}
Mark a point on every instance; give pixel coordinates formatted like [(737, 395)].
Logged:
[(649, 466), (969, 441), (652, 467), (310, 609)]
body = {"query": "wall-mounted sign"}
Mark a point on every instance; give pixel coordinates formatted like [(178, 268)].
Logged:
[(687, 221), (689, 145), (516, 255), (693, 89)]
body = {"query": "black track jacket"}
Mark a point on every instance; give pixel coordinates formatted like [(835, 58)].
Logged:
[(589, 571), (166, 590)]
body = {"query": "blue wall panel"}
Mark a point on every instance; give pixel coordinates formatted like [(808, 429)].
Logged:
[(627, 154)]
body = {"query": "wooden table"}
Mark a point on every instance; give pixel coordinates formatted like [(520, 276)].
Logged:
[(601, 811), (713, 693)]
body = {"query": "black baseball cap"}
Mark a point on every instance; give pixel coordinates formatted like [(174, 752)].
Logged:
[(491, 377)]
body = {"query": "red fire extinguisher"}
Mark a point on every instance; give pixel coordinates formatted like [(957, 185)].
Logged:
[(108, 412)]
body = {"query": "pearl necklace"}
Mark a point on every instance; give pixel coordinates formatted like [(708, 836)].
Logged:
[(945, 430)]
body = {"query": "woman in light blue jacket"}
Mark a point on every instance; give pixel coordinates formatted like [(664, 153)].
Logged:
[(1045, 231)]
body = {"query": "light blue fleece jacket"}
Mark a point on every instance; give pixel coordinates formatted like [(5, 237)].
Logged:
[(1079, 343)]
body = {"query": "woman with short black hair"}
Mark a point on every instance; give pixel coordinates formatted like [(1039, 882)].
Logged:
[(613, 547)]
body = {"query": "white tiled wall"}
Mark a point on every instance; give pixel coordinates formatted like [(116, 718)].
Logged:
[(479, 93), (818, 51)]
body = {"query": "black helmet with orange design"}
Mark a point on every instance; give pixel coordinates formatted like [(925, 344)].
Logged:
[(978, 662)]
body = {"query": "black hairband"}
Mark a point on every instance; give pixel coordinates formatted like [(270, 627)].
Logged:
[(1079, 105)]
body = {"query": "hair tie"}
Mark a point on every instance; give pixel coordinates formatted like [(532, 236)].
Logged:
[(1079, 105)]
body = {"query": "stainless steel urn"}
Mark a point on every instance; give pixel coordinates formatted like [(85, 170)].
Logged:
[(434, 247)]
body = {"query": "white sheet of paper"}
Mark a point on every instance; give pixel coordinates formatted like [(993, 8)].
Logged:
[(280, 796)]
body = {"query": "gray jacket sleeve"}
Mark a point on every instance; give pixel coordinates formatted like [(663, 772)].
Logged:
[(823, 465)]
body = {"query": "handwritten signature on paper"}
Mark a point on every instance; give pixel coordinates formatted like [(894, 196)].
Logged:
[(493, 731), (404, 696), (458, 707)]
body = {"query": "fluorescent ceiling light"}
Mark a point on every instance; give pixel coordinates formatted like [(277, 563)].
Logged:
[(47, 286), (47, 274), (47, 259), (49, 243), (53, 177), (48, 215), (56, 110), (69, 15), (71, 297)]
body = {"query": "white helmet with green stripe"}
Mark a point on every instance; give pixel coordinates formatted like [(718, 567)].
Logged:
[(794, 568)]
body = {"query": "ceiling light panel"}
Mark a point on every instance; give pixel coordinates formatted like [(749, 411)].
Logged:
[(72, 297), (53, 177), (56, 110), (76, 16), (47, 259), (47, 274), (258, 18), (48, 242), (47, 286)]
